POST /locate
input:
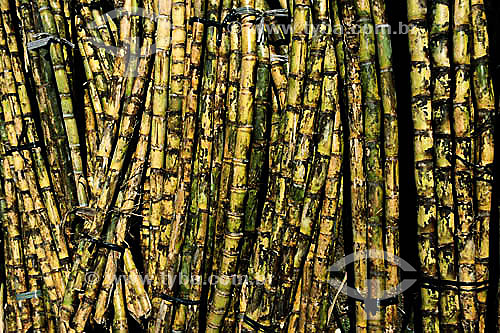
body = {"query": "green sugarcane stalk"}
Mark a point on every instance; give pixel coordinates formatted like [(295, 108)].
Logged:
[(215, 233), (94, 226), (233, 38), (14, 84), (64, 90), (171, 239), (485, 114), (158, 136), (373, 150), (441, 102), (291, 124), (463, 123), (132, 183), (356, 156), (206, 175), (239, 184), (258, 154), (423, 141), (186, 203), (331, 207), (52, 127), (15, 256), (391, 150), (305, 181)]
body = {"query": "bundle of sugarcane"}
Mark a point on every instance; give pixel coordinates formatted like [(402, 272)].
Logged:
[(198, 179), (454, 117)]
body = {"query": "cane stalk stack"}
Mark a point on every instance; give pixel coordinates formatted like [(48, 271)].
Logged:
[(234, 166), (454, 111)]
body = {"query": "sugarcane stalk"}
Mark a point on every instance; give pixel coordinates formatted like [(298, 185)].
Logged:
[(14, 253), (290, 125), (329, 221), (146, 211), (441, 102), (133, 305), (135, 281), (91, 139), (37, 261), (93, 26), (38, 316), (118, 93), (220, 122), (127, 207), (102, 205), (391, 150), (305, 288), (239, 184), (15, 322), (328, 109), (171, 239), (423, 141), (14, 84), (94, 73), (120, 318), (49, 113), (233, 37), (206, 174), (25, 168), (463, 116), (186, 202), (328, 167), (62, 30), (258, 154), (295, 313), (356, 156), (64, 90), (305, 182), (374, 170), (50, 110), (158, 133), (102, 23), (484, 98)]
